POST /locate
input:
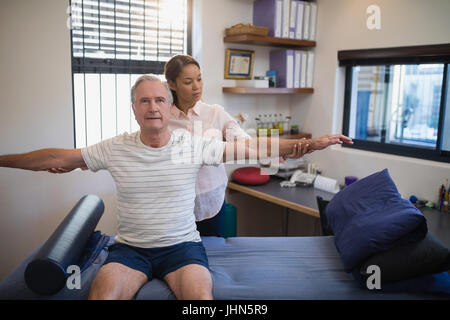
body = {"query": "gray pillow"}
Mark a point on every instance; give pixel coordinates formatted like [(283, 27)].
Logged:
[(426, 256)]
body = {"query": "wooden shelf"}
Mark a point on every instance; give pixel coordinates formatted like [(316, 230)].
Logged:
[(268, 41), (249, 90), (296, 136)]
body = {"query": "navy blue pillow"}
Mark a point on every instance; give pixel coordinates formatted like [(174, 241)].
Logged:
[(370, 216), (407, 261), (429, 283)]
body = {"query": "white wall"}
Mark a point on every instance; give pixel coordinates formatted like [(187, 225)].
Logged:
[(342, 26), (36, 112)]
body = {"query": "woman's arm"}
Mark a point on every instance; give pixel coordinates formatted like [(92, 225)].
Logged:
[(45, 159)]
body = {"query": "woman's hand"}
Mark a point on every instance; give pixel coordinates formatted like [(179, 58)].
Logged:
[(300, 149), (63, 170)]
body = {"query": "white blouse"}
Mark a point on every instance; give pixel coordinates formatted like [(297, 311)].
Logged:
[(213, 121)]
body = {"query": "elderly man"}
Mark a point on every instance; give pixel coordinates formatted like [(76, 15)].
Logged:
[(155, 173)]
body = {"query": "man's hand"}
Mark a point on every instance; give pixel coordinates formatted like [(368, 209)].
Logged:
[(326, 141)]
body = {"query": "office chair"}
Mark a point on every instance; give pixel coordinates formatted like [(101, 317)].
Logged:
[(322, 204)]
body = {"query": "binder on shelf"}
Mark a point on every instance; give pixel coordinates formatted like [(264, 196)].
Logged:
[(312, 21), (310, 70), (300, 17), (283, 62), (269, 13), (306, 17), (285, 18), (303, 69), (293, 20), (297, 65)]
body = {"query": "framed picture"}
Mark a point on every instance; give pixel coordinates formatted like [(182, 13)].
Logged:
[(239, 64)]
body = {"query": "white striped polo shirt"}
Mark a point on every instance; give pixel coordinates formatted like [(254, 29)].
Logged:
[(155, 186)]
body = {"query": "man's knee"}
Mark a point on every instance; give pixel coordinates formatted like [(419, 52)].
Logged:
[(115, 281), (191, 282)]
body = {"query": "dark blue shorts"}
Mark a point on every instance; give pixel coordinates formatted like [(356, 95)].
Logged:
[(157, 262)]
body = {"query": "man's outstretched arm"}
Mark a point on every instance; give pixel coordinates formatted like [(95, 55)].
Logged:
[(45, 159), (257, 148)]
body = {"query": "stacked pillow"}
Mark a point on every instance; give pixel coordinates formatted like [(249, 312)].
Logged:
[(373, 225)]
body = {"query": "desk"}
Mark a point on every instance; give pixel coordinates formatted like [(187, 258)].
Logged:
[(438, 224), (300, 199), (303, 200)]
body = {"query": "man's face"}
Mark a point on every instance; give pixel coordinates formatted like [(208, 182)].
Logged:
[(151, 108)]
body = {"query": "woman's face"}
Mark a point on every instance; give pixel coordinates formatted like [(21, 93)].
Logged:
[(188, 85)]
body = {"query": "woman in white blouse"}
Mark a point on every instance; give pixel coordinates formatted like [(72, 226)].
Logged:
[(189, 112), (183, 75)]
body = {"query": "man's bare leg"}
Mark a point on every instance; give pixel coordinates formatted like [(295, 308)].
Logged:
[(190, 282), (115, 281)]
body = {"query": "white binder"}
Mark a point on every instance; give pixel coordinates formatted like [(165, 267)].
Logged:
[(297, 65), (293, 19), (279, 19), (310, 70), (306, 21), (303, 69), (290, 68), (300, 17), (285, 19), (312, 22)]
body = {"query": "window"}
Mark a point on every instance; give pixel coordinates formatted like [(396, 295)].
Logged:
[(113, 43), (397, 100)]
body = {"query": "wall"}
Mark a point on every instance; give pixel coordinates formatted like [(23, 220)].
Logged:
[(36, 112), (342, 26)]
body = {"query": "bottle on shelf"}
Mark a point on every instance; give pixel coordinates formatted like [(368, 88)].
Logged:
[(286, 124), (262, 131), (275, 125), (258, 125), (269, 125), (280, 124)]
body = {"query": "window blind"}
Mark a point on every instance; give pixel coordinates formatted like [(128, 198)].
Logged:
[(113, 43), (126, 35)]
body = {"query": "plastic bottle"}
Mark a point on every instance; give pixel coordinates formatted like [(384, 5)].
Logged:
[(263, 130), (258, 124), (286, 124), (280, 124)]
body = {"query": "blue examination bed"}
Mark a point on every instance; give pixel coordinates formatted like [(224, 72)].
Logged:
[(242, 267)]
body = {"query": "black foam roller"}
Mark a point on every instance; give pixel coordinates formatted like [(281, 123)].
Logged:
[(46, 274)]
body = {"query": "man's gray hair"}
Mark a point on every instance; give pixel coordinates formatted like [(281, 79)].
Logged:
[(150, 77)]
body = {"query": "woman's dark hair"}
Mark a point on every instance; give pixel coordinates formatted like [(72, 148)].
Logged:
[(173, 68)]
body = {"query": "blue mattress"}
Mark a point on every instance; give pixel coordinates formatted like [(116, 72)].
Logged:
[(244, 268)]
